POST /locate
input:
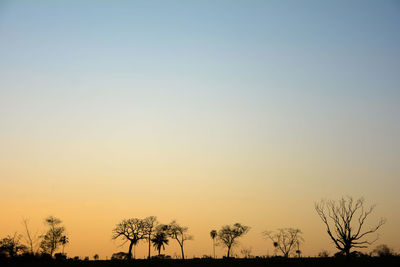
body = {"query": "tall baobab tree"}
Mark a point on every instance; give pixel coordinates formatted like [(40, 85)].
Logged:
[(228, 235), (132, 231), (286, 240), (345, 223), (213, 235), (179, 233)]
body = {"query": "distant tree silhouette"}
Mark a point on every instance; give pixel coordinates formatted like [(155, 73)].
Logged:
[(150, 224), (382, 251), (53, 238), (64, 240), (33, 240), (119, 256), (285, 240), (179, 233), (12, 246), (96, 257), (228, 235), (246, 252), (132, 231), (298, 251), (160, 238), (213, 235), (323, 254), (344, 221)]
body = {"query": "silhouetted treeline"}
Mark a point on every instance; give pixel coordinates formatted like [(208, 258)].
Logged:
[(255, 262), (344, 221)]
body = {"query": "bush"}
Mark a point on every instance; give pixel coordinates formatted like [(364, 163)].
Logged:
[(382, 251), (60, 256)]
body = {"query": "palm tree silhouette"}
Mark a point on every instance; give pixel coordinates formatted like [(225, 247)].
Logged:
[(213, 235), (64, 240), (159, 241)]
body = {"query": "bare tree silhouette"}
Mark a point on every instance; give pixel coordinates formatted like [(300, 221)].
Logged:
[(150, 224), (179, 233), (228, 235), (286, 240), (246, 252), (31, 239), (213, 235), (53, 237), (344, 221), (132, 231)]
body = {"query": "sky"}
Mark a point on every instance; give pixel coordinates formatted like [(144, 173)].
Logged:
[(207, 112)]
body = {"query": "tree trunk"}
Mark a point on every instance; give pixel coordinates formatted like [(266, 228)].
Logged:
[(214, 247), (159, 251), (229, 251), (149, 247), (183, 255), (347, 252), (130, 251)]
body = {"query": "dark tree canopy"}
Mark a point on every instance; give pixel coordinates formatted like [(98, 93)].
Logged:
[(228, 235), (345, 223), (12, 246)]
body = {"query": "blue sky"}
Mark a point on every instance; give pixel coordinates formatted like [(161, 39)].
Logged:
[(287, 61)]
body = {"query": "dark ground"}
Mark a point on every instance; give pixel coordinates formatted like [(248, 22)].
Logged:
[(278, 262)]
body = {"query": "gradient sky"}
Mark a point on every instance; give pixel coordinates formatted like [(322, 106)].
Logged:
[(208, 112)]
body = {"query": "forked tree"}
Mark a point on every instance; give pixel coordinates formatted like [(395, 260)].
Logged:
[(132, 231), (179, 233), (32, 239), (286, 240), (345, 221), (228, 235)]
